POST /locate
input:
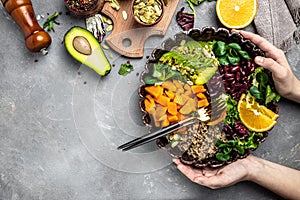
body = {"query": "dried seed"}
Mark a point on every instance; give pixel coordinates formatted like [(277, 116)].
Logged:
[(105, 46), (106, 20), (124, 14), (82, 45), (109, 28)]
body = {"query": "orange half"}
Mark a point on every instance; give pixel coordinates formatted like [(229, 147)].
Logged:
[(236, 14), (255, 117)]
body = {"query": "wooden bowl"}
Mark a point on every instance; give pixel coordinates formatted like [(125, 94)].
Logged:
[(90, 11), (139, 21)]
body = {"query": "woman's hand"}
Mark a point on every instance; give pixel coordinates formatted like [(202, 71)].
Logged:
[(286, 83), (218, 177)]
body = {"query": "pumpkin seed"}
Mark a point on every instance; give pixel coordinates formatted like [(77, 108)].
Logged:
[(124, 14), (147, 11), (82, 45), (106, 20), (105, 46), (109, 28)]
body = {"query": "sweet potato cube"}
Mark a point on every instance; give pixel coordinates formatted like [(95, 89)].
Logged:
[(162, 100), (178, 99), (172, 118), (189, 107), (172, 108), (198, 89), (201, 96), (149, 106), (203, 103), (159, 112), (165, 123), (178, 85), (163, 118), (170, 94), (155, 91), (185, 98), (169, 86), (156, 123), (150, 98)]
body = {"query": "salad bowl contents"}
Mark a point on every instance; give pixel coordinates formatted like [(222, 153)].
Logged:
[(209, 74)]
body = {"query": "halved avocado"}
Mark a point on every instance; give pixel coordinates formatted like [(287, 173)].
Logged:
[(84, 47)]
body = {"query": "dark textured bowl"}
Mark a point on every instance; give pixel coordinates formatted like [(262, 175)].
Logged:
[(204, 34), (94, 9)]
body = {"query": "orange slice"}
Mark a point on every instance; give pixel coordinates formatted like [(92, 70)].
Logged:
[(255, 117), (236, 13)]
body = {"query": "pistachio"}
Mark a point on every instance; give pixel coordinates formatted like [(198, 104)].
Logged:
[(147, 11), (82, 45)]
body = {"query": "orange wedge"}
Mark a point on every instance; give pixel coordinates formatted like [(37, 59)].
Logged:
[(236, 14), (255, 117)]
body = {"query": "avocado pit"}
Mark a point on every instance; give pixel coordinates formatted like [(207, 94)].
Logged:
[(82, 45)]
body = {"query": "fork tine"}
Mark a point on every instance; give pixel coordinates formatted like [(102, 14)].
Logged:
[(145, 141), (149, 137)]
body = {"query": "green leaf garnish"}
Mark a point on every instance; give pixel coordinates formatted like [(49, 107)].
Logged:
[(49, 24), (125, 69)]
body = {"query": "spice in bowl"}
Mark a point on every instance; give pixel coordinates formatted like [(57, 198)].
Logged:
[(84, 7), (147, 12)]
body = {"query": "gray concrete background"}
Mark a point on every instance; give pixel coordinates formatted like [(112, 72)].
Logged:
[(44, 104)]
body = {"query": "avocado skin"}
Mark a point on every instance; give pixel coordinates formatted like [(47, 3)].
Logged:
[(97, 60)]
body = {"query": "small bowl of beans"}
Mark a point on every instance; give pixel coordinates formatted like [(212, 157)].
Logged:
[(84, 8), (147, 12)]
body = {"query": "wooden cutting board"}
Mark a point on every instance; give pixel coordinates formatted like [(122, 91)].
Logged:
[(130, 32)]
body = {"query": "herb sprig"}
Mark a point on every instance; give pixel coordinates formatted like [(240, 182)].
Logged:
[(51, 20)]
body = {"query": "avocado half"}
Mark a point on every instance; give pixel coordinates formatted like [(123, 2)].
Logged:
[(84, 47)]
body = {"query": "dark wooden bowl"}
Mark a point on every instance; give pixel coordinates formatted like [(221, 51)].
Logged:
[(204, 34)]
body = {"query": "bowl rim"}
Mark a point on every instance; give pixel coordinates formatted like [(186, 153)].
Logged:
[(195, 32)]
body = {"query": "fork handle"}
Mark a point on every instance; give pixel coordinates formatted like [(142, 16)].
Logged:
[(23, 14)]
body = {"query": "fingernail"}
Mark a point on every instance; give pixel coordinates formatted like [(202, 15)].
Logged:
[(259, 59), (175, 160)]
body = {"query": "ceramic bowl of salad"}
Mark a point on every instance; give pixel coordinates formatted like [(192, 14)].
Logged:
[(208, 74)]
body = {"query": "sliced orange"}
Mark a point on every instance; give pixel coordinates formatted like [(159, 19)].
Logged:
[(236, 13), (255, 117)]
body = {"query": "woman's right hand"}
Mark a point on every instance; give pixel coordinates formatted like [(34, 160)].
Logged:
[(286, 83)]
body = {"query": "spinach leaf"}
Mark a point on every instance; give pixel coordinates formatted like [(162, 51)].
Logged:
[(244, 54), (222, 156), (234, 46), (230, 53), (150, 80), (220, 48), (255, 92), (223, 60), (261, 88)]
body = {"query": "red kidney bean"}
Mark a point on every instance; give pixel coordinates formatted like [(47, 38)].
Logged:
[(235, 69), (238, 76)]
